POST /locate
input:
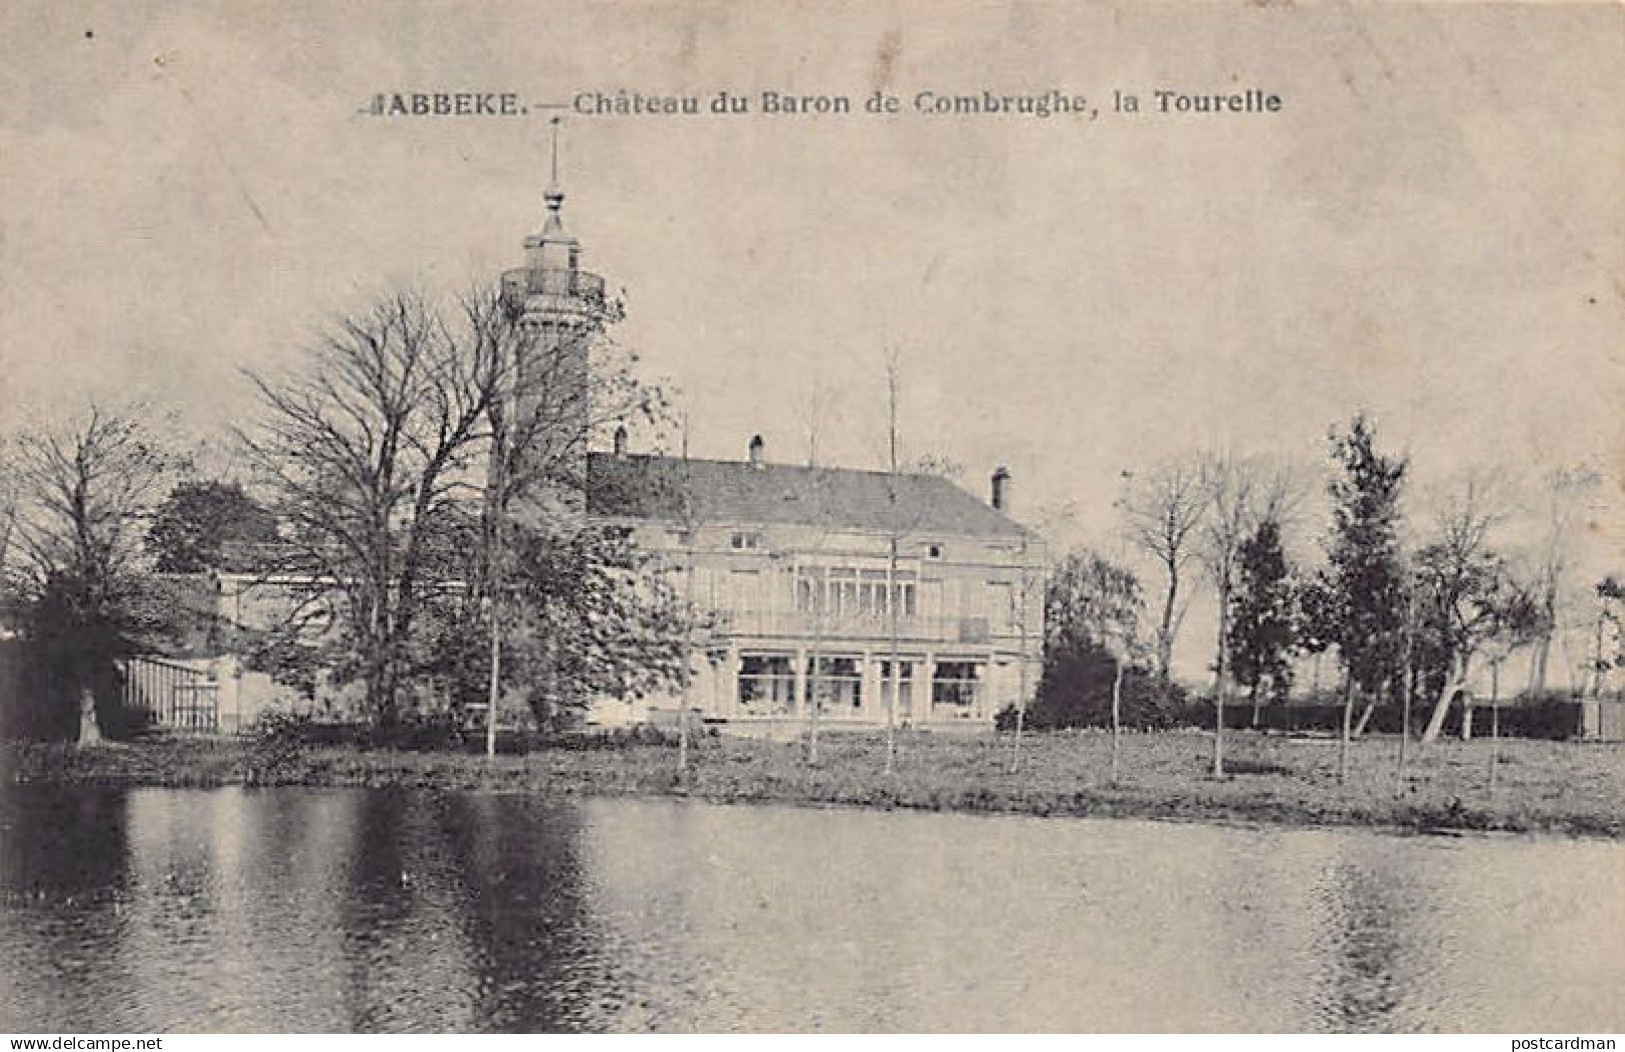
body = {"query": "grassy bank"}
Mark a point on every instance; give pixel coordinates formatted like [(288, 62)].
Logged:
[(1558, 787)]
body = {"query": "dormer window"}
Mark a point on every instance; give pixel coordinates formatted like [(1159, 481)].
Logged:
[(933, 550), (745, 540)]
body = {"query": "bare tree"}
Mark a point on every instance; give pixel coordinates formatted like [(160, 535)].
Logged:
[(1243, 492), (83, 494), (1563, 491), (363, 455), (1162, 510), (1462, 580), (814, 411), (406, 417), (1230, 482)]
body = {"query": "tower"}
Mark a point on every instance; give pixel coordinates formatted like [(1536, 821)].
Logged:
[(552, 292), (558, 307)]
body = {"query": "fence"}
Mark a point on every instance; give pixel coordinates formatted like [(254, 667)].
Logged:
[(171, 696)]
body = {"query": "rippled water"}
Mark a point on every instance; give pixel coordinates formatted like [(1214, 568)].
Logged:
[(298, 910)]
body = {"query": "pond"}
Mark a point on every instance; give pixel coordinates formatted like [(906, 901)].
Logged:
[(160, 910)]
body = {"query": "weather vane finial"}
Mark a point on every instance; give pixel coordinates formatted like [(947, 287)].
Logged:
[(554, 196), (555, 122)]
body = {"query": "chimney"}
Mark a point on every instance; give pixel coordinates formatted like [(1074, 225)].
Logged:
[(758, 450), (1001, 489), (620, 442)]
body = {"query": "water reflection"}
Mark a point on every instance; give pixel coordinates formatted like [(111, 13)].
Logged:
[(299, 910)]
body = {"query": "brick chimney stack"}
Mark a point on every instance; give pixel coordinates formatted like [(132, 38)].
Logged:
[(1001, 489)]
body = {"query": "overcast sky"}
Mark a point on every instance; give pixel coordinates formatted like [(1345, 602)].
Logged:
[(1431, 229)]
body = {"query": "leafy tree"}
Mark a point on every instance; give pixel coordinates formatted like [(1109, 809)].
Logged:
[(1365, 578), (590, 615), (200, 516), (1089, 599), (1092, 609), (1264, 617), (1319, 627)]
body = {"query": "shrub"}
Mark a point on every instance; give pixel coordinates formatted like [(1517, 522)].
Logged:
[(1076, 691), (276, 743)]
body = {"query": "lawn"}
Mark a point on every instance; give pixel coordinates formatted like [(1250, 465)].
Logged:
[(1575, 788)]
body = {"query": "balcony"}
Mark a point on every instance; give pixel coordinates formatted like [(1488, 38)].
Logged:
[(553, 281), (877, 627)]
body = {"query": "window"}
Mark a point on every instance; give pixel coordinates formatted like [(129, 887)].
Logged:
[(933, 550), (853, 593), (843, 591), (903, 594), (837, 684), (810, 589), (905, 687), (956, 686), (746, 540), (767, 684)]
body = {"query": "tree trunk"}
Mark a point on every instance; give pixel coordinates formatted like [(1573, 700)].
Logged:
[(1537, 666), (1406, 688), (894, 673), (494, 690), (1598, 665), (682, 736), (1365, 718), (1343, 741), (1495, 720), (1117, 716), (1165, 634), (814, 693), (1021, 711), (1453, 683)]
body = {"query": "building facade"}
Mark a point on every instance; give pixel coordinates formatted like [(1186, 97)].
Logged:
[(869, 595)]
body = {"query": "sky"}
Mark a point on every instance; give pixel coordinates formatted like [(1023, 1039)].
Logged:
[(1431, 229)]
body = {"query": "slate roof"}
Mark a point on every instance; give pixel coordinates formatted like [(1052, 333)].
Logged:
[(735, 492)]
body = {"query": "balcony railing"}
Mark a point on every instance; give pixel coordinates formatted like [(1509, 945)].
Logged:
[(799, 624), (553, 281)]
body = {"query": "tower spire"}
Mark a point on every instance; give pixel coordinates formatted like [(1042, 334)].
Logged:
[(555, 122), (554, 196)]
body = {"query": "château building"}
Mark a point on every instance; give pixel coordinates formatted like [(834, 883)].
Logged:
[(870, 594)]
